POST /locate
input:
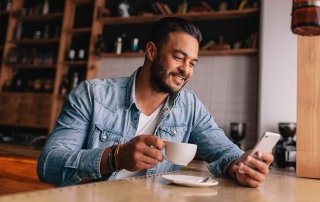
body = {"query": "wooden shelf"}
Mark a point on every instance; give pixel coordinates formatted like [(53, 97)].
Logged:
[(124, 54), (230, 14), (36, 41), (78, 31), (75, 63), (30, 66), (242, 51), (40, 17), (201, 53)]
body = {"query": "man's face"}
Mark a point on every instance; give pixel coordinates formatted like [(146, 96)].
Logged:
[(173, 64)]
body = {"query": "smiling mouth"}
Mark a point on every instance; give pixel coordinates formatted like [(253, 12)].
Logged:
[(179, 77)]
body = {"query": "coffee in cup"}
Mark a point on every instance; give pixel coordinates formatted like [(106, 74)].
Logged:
[(180, 153)]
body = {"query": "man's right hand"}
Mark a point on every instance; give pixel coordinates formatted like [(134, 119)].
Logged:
[(140, 153)]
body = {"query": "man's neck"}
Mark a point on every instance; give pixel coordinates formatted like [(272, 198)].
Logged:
[(147, 99)]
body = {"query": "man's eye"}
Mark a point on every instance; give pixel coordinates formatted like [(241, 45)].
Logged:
[(192, 64), (178, 58)]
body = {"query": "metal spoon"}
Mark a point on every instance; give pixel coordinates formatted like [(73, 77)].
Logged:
[(204, 180)]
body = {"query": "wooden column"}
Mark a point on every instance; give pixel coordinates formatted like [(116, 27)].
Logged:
[(308, 104)]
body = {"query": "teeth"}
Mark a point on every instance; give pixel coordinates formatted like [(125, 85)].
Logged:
[(179, 77)]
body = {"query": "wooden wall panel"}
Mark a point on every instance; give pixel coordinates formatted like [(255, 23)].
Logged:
[(308, 104)]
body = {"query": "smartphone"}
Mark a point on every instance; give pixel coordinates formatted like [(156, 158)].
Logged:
[(266, 142)]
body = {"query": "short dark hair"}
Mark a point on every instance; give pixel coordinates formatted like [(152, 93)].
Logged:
[(161, 30)]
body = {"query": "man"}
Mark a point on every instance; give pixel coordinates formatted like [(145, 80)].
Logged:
[(116, 128)]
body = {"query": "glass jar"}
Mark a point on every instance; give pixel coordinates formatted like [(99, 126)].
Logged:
[(306, 17)]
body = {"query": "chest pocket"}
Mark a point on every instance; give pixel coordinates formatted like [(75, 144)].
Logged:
[(102, 137), (173, 133)]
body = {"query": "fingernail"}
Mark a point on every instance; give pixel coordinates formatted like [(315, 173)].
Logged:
[(249, 158), (241, 171)]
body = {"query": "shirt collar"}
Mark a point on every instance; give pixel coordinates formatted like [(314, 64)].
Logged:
[(131, 97)]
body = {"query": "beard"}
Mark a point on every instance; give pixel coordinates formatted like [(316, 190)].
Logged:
[(159, 77)]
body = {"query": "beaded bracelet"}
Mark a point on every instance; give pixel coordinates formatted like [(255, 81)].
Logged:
[(110, 159), (116, 163)]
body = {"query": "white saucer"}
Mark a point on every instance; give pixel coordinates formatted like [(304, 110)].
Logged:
[(189, 180)]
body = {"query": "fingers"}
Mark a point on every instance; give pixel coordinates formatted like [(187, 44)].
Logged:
[(142, 161), (247, 176), (142, 152), (152, 140), (252, 173), (253, 169), (150, 146), (265, 157), (151, 152)]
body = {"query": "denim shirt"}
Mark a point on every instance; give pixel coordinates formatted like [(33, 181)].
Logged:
[(100, 113)]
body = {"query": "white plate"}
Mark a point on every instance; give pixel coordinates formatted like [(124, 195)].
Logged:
[(189, 180)]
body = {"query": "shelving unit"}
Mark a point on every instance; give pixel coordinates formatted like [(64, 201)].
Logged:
[(221, 15), (78, 30), (40, 17), (201, 53), (215, 25), (25, 106)]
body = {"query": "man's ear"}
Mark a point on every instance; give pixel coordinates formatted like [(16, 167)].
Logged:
[(151, 51)]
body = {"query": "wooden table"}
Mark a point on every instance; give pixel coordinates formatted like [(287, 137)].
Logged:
[(277, 187)]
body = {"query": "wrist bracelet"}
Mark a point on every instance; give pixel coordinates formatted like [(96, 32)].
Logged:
[(116, 157), (110, 159)]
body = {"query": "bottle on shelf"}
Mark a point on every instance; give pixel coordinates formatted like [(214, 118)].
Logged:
[(29, 86), (48, 85), (72, 55), (81, 54), (37, 85), (100, 44), (45, 7), (17, 85), (56, 33), (18, 31), (135, 44), (74, 80), (118, 46), (9, 5), (37, 34), (46, 32)]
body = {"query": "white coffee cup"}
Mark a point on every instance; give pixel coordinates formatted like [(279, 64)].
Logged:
[(180, 153)]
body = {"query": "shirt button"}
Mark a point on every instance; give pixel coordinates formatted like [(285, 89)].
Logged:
[(174, 132), (103, 137)]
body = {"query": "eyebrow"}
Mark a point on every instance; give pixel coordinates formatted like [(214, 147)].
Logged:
[(185, 54)]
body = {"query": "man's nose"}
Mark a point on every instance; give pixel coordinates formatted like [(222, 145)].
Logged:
[(184, 67)]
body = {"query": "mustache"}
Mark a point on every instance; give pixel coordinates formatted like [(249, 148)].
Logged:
[(180, 74)]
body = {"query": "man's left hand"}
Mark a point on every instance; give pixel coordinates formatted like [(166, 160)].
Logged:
[(251, 170)]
